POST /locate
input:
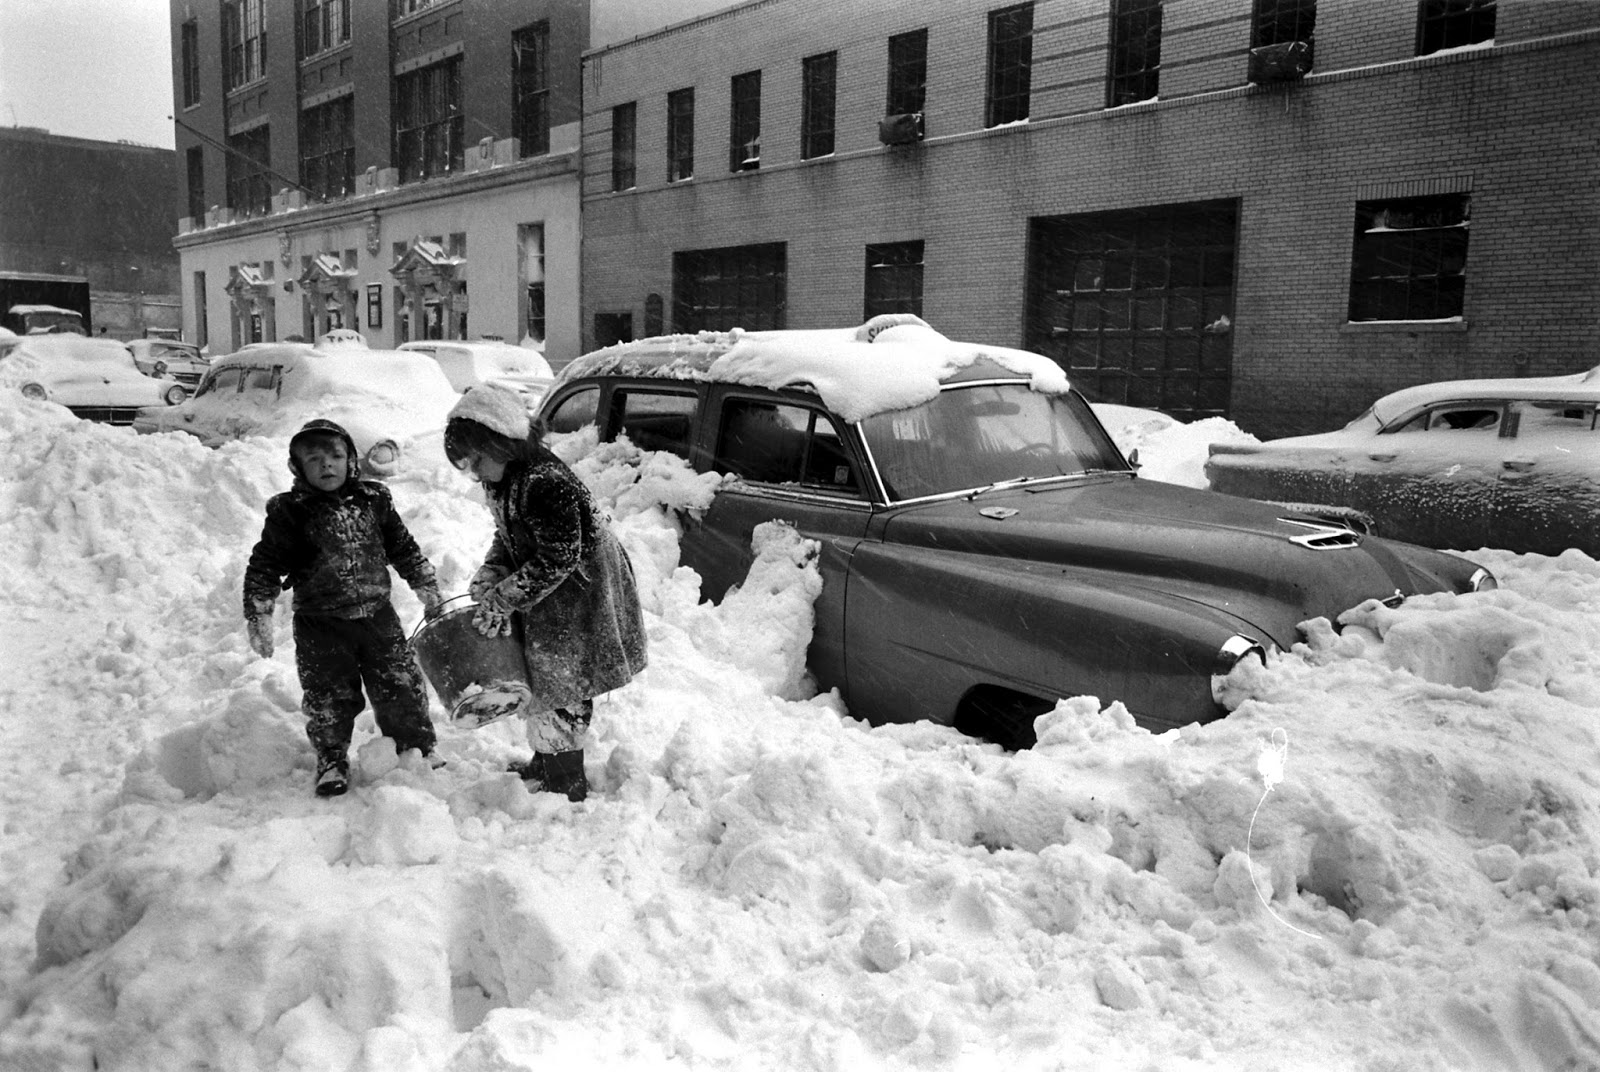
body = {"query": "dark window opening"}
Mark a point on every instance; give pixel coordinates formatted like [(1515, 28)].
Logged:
[(612, 328), (429, 125), (324, 24), (244, 41), (655, 315), (680, 135), (249, 185), (744, 123), (1135, 52), (1280, 22), (1443, 24), (1010, 65), (780, 444), (819, 75), (624, 119), (195, 165), (1410, 258), (190, 44), (530, 89), (908, 73), (732, 287), (894, 279), (328, 149), (656, 420)]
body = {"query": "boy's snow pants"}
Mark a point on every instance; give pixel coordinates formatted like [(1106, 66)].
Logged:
[(336, 657)]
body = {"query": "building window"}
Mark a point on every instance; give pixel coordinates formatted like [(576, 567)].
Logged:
[(402, 8), (744, 122), (530, 270), (894, 279), (328, 149), (1010, 64), (323, 24), (612, 328), (202, 327), (908, 73), (733, 287), (190, 45), (429, 124), (195, 166), (680, 134), (1282, 22), (249, 185), (655, 315), (1410, 258), (1135, 51), (818, 78), (1443, 24), (244, 40), (530, 89), (624, 125)]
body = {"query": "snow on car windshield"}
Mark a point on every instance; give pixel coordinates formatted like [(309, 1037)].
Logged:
[(970, 437)]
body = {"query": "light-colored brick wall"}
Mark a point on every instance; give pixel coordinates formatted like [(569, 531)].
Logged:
[(1512, 126)]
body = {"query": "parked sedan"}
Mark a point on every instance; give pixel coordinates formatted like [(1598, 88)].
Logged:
[(466, 364), (985, 549), (382, 397), (169, 359), (1508, 463), (95, 378)]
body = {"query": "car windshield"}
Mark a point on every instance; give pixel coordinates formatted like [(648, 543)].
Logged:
[(973, 436)]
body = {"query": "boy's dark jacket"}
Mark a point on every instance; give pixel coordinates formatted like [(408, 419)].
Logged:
[(333, 548)]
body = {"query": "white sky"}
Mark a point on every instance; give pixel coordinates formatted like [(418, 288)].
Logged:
[(88, 68)]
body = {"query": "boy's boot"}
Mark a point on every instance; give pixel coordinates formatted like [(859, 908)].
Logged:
[(556, 772), (333, 775)]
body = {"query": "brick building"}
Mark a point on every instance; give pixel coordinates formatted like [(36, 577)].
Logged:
[(1272, 210), (79, 210), (407, 168)]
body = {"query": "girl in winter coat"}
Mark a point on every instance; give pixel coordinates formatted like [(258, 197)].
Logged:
[(555, 576)]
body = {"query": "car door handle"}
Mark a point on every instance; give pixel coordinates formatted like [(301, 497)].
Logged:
[(1381, 457), (1518, 467)]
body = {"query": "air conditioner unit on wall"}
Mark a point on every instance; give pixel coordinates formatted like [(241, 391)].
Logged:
[(1287, 61), (902, 129)]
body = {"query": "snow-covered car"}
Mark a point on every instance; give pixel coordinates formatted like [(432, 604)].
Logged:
[(1505, 463), (95, 378), (169, 359), (467, 364), (382, 397), (985, 549)]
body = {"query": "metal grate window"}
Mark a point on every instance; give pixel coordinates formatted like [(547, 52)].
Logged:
[(680, 134), (1010, 65), (249, 186), (530, 89), (429, 125), (1135, 52), (893, 279), (328, 149), (744, 122), (819, 82), (1443, 24), (190, 47), (1410, 258), (908, 73), (732, 287), (624, 126), (244, 38), (323, 24)]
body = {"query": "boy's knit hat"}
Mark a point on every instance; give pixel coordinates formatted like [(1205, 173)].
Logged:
[(496, 408)]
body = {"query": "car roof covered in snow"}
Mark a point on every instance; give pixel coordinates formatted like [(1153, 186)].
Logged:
[(890, 362), (1575, 387)]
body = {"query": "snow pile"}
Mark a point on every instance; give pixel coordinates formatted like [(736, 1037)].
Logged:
[(1386, 858)]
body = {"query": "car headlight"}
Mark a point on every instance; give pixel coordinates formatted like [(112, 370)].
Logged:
[(36, 392), (1233, 651), (175, 394), (1483, 581)]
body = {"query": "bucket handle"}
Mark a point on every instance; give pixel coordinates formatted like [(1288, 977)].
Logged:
[(438, 613)]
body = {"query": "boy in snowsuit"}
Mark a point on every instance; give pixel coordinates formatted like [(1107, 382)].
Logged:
[(332, 538)]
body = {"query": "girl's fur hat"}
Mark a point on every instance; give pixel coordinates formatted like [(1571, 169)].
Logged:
[(496, 408)]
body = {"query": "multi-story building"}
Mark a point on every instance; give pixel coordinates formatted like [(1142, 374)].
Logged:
[(93, 215), (406, 168), (1273, 210)]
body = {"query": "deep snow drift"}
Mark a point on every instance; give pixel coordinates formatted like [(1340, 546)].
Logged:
[(1385, 859)]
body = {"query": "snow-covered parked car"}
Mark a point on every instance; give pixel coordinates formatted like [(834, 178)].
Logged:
[(95, 378), (169, 359), (1506, 463), (985, 548), (382, 397), (467, 364)]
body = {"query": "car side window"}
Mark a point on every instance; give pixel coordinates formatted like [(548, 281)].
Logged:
[(573, 412), (656, 420), (226, 381), (1554, 419), (780, 444), (263, 379), (1460, 417)]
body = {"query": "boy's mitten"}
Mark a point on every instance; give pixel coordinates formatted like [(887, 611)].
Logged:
[(259, 626), (485, 580), (429, 594), (492, 622)]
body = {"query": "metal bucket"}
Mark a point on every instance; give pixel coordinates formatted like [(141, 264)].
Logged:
[(480, 679)]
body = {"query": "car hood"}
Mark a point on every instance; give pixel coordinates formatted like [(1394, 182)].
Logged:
[(1267, 566)]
